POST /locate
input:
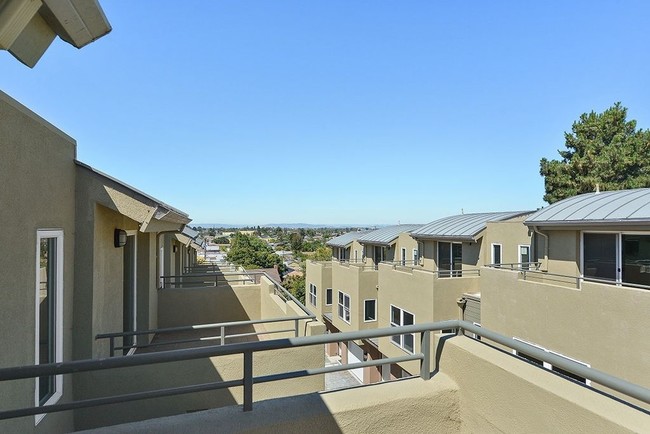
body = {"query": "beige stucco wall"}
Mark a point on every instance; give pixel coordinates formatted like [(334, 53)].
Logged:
[(500, 393), (602, 325), (359, 281), (37, 174), (510, 234), (320, 274)]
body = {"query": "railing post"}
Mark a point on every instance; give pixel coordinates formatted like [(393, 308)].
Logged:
[(248, 380), (112, 346), (223, 335), (425, 348), (296, 325)]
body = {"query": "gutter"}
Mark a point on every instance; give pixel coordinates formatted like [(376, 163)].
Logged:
[(537, 231)]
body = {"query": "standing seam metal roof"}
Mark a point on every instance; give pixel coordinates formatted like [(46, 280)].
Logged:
[(462, 226), (621, 206), (345, 239), (386, 235)]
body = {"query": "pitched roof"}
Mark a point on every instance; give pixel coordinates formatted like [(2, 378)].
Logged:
[(386, 235), (462, 227), (606, 207), (345, 239)]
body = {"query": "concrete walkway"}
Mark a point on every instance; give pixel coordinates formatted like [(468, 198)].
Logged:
[(338, 380)]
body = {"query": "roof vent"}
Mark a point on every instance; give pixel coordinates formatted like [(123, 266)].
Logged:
[(597, 188)]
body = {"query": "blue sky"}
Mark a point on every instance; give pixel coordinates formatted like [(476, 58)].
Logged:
[(373, 112)]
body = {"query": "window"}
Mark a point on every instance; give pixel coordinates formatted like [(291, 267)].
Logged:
[(356, 255), (450, 259), (49, 314), (344, 307), (400, 317), (328, 296), (416, 257), (369, 310), (547, 365), (599, 256), (617, 257), (312, 294), (403, 256), (496, 253), (524, 256)]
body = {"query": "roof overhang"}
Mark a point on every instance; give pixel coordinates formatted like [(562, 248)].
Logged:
[(28, 27), (577, 224), (468, 239), (152, 214)]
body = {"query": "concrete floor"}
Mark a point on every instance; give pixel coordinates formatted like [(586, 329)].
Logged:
[(338, 380)]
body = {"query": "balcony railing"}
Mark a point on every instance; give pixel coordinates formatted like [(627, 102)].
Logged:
[(248, 350), (222, 337), (518, 266)]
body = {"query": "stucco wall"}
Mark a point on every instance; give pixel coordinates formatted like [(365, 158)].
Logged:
[(510, 235), (500, 393), (602, 325), (37, 175), (358, 281), (319, 274)]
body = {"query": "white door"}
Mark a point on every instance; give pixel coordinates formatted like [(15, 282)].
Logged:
[(355, 355)]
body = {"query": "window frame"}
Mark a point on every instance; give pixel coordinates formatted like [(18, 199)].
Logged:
[(342, 309), (329, 296), (57, 321), (400, 341), (493, 259), (549, 366), (365, 311), (313, 294)]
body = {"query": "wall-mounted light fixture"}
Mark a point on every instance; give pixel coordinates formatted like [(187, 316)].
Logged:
[(119, 238), (174, 249)]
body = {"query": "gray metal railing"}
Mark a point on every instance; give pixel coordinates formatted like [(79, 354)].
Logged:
[(518, 266), (222, 337), (249, 349), (196, 280)]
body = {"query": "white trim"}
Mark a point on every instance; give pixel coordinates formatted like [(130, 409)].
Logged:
[(492, 261), (342, 306), (519, 246), (364, 310), (401, 323), (332, 296), (416, 256), (313, 300), (58, 320), (547, 365), (134, 234)]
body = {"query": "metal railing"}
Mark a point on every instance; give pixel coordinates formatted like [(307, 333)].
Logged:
[(198, 280), (248, 350), (221, 337), (517, 266)]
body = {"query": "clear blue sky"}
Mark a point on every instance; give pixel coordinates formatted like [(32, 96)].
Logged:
[(335, 111)]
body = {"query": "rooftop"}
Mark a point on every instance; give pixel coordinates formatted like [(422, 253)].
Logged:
[(386, 235), (607, 207), (462, 227), (346, 239)]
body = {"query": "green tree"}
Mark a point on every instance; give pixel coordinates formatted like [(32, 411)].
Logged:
[(295, 240), (296, 286), (603, 149), (252, 252), (322, 253)]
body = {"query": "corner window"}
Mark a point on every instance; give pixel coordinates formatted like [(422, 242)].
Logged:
[(344, 307), (369, 310), (49, 314), (400, 317), (328, 297), (312, 294)]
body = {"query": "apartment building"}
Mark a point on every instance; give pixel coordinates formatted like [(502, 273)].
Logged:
[(587, 297), (451, 252)]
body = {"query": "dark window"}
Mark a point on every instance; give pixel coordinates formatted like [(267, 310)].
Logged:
[(600, 256), (328, 296)]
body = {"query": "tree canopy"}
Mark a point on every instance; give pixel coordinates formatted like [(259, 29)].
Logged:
[(251, 252), (603, 149)]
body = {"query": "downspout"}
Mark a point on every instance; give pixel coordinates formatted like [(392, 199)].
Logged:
[(537, 231)]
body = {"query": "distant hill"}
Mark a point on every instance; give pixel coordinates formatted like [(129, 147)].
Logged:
[(286, 225)]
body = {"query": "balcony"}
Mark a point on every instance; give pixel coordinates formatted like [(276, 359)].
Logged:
[(464, 385)]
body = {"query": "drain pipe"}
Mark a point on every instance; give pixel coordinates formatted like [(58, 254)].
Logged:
[(537, 231)]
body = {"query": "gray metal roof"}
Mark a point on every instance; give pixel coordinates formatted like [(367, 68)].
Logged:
[(605, 207), (386, 235), (462, 227), (345, 239)]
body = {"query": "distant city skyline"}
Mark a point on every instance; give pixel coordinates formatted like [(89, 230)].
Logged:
[(323, 112)]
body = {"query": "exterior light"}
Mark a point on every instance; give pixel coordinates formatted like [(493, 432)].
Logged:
[(119, 238)]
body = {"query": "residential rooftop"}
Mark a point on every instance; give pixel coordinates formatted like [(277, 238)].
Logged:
[(462, 227), (386, 235), (622, 206), (346, 239)]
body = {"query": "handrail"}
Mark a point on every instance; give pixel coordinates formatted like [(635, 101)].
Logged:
[(519, 266), (249, 349), (221, 326)]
